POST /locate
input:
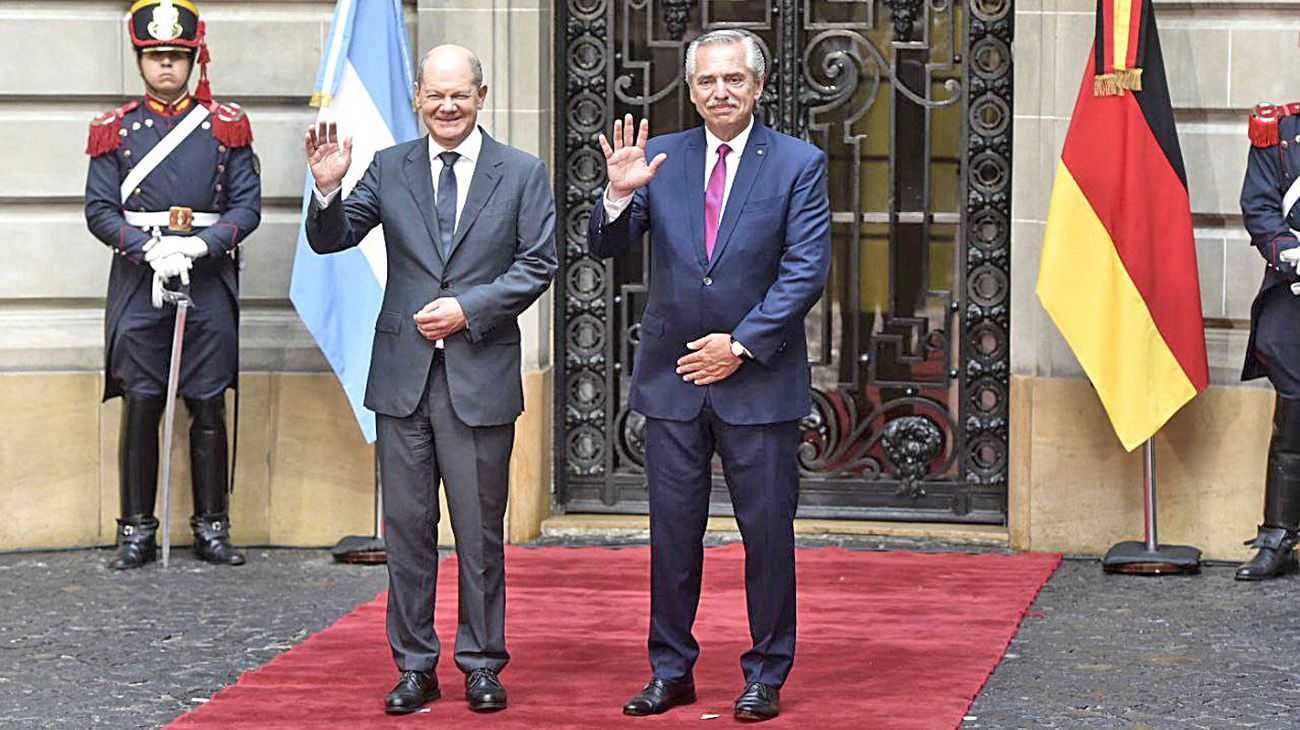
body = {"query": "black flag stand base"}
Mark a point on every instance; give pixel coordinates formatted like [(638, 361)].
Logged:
[(1151, 558), (361, 549), (1132, 556)]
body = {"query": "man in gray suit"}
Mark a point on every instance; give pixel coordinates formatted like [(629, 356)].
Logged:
[(469, 227)]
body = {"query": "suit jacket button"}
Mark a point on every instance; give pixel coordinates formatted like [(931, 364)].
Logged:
[(708, 281), (446, 285)]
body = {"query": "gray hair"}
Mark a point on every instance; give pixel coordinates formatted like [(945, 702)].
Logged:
[(754, 57), (475, 66)]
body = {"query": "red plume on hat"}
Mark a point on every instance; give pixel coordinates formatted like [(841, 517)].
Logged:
[(203, 92)]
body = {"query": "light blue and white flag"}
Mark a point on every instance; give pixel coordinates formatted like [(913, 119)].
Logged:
[(365, 85)]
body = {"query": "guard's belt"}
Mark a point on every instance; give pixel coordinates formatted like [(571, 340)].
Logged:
[(163, 219)]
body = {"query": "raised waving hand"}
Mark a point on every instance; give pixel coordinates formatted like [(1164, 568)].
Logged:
[(328, 158), (625, 161)]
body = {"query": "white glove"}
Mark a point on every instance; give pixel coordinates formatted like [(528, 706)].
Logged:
[(156, 295), (189, 246), (177, 264)]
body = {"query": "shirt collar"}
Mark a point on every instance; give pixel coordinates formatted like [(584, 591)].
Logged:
[(737, 145), (158, 106), (468, 149)]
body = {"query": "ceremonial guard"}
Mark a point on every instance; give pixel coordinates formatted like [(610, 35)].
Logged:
[(1272, 217), (173, 189)]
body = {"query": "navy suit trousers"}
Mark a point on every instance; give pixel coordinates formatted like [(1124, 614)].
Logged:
[(759, 464)]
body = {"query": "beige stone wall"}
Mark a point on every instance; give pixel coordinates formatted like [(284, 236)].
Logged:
[(306, 477), (1073, 487)]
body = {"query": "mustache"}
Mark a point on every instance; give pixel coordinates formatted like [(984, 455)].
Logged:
[(720, 104)]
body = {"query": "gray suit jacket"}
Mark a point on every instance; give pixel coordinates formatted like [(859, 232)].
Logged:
[(502, 258)]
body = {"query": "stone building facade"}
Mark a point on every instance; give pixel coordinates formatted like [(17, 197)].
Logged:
[(305, 475)]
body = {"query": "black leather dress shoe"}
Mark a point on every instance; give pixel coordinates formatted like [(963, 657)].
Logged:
[(661, 695), (484, 691), (411, 692), (758, 702)]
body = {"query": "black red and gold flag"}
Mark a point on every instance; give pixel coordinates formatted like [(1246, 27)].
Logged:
[(1118, 274)]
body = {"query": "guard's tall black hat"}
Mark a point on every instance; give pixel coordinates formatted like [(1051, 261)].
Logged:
[(172, 25), (165, 25)]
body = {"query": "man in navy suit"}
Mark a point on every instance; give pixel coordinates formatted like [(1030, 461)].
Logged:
[(739, 225)]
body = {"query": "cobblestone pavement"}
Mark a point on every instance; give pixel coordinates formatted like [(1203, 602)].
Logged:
[(85, 647), (1140, 653), (1096, 651)]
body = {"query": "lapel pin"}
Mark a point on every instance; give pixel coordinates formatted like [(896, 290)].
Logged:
[(759, 150)]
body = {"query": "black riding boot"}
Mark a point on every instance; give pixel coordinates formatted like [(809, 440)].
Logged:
[(138, 473), (1277, 537), (211, 521)]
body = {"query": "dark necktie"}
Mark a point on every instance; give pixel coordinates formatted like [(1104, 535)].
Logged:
[(713, 200), (447, 199)]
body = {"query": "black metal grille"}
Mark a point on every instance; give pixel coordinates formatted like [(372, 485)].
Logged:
[(909, 346)]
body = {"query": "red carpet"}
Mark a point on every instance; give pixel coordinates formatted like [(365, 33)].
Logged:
[(887, 641)]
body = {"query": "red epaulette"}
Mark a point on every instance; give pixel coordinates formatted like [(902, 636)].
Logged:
[(1264, 122), (230, 125), (106, 130)]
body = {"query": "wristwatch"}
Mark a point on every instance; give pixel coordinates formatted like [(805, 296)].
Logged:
[(739, 350)]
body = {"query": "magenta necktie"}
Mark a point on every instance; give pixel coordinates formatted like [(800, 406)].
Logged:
[(713, 200)]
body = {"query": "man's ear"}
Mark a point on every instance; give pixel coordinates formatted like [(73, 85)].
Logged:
[(482, 95)]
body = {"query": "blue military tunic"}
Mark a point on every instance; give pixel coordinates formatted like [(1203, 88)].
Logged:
[(213, 170), (1272, 217)]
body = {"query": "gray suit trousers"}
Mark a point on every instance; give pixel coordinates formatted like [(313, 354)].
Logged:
[(473, 464)]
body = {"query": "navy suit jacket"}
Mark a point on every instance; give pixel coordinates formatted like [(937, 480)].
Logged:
[(1270, 172), (502, 259), (769, 267)]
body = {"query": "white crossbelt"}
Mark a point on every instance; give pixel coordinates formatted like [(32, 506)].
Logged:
[(160, 151), (163, 218)]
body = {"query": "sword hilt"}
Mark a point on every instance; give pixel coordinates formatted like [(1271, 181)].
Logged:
[(177, 296)]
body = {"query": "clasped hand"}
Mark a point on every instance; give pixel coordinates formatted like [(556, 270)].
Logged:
[(189, 246), (711, 361), (440, 319)]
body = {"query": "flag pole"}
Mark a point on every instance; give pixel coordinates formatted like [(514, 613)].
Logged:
[(1150, 557), (1149, 492)]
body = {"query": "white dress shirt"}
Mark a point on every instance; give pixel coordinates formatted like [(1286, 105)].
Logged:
[(469, 150)]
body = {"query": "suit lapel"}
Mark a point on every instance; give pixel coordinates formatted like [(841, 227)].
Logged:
[(693, 184), (751, 161), (419, 174), (487, 173)]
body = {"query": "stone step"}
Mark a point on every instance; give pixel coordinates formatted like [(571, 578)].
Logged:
[(637, 527)]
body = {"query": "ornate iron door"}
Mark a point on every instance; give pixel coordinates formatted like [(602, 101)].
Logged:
[(909, 344)]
